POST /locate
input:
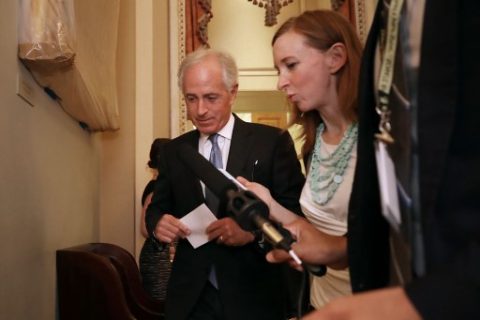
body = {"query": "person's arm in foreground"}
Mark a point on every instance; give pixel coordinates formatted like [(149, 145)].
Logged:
[(391, 304), (315, 247), (312, 246)]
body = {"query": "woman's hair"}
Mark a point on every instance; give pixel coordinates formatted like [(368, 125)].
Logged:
[(156, 152), (226, 61), (322, 29)]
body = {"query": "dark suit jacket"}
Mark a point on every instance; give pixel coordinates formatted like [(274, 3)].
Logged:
[(250, 288), (368, 253), (449, 175)]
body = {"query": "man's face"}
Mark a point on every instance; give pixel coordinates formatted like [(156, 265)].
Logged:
[(209, 102)]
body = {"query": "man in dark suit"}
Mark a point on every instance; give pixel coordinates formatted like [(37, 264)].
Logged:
[(432, 260), (227, 278)]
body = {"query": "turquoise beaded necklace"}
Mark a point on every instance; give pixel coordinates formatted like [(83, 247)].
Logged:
[(324, 184)]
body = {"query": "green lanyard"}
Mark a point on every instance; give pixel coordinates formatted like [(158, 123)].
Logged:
[(386, 72)]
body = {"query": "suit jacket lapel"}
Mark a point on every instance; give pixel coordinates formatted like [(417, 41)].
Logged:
[(192, 139), (239, 147)]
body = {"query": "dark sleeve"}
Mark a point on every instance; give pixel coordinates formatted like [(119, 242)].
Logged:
[(452, 291), (451, 288), (368, 232), (161, 200), (287, 177)]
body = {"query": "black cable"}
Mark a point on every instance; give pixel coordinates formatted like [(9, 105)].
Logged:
[(301, 293)]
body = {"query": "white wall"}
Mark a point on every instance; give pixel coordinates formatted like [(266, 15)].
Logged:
[(60, 185), (117, 174), (48, 187), (143, 101)]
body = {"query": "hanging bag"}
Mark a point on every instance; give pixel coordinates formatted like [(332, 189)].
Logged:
[(46, 34)]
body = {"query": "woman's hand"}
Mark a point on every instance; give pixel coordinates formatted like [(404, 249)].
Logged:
[(277, 211), (312, 246), (262, 192)]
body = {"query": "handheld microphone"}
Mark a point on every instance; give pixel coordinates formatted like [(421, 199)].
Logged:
[(205, 171), (250, 212)]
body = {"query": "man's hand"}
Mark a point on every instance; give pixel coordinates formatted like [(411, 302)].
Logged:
[(228, 232), (170, 228), (391, 304), (312, 246)]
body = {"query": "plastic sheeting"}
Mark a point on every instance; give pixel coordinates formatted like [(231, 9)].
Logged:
[(70, 48)]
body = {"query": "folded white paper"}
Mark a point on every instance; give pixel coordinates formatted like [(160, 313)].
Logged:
[(197, 221)]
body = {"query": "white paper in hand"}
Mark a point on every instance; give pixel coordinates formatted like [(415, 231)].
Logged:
[(197, 221)]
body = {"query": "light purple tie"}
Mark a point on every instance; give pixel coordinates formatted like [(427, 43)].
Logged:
[(210, 199), (216, 159)]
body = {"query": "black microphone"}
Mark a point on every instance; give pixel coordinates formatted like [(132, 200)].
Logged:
[(250, 212), (205, 171)]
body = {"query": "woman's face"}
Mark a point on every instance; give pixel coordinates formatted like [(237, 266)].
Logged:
[(303, 72)]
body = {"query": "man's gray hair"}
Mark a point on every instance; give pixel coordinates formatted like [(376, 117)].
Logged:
[(227, 63)]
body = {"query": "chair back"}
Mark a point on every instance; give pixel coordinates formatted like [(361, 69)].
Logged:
[(80, 266), (126, 265), (89, 288)]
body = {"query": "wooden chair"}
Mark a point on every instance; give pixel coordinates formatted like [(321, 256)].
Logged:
[(89, 288), (126, 272), (137, 297)]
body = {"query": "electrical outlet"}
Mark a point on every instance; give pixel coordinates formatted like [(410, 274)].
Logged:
[(25, 87)]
